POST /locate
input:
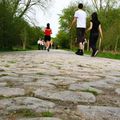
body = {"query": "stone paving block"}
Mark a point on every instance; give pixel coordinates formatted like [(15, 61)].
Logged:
[(66, 96), (99, 112), (117, 91), (7, 91), (13, 104), (42, 118)]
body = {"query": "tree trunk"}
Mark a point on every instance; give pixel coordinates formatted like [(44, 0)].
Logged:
[(88, 45), (116, 44), (100, 4), (24, 45)]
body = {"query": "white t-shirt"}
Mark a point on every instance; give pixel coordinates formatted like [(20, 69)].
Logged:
[(81, 18), (40, 42)]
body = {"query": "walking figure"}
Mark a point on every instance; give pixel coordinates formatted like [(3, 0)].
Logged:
[(40, 43), (95, 29), (80, 17), (47, 39)]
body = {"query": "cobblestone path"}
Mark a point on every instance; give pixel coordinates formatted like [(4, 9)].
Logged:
[(58, 85)]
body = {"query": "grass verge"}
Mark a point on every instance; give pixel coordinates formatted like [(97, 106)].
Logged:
[(111, 55)]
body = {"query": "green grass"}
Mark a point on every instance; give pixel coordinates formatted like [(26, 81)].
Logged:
[(1, 97), (47, 114), (7, 65), (91, 91), (2, 75), (110, 55), (40, 73), (106, 54), (27, 113), (12, 61)]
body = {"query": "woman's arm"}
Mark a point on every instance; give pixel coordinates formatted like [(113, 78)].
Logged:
[(100, 30)]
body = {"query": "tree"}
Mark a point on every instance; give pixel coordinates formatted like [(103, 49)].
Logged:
[(65, 21), (111, 31), (63, 40), (13, 15), (104, 4), (34, 34), (6, 27), (20, 7)]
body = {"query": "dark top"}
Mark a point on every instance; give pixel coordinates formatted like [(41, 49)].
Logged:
[(95, 27)]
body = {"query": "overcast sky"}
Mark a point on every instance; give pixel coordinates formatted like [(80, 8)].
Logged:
[(51, 15)]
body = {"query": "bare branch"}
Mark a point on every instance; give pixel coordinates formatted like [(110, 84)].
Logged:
[(94, 2), (30, 3)]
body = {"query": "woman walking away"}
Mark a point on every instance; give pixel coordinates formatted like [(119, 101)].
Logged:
[(95, 29), (47, 32)]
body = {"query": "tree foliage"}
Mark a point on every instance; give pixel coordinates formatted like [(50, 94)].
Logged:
[(65, 36), (111, 26), (6, 27)]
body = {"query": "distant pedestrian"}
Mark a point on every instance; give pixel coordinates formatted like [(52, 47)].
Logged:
[(95, 29), (47, 39), (80, 17), (40, 43)]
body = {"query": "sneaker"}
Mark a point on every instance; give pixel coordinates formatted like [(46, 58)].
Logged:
[(79, 53), (95, 53), (48, 49)]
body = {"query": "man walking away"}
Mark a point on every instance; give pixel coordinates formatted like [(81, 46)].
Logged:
[(80, 17)]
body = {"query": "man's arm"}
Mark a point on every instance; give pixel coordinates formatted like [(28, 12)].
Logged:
[(73, 22)]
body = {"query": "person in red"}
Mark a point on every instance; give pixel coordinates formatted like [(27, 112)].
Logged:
[(47, 39)]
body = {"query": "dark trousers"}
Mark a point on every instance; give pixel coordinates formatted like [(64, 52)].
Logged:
[(93, 40), (40, 47)]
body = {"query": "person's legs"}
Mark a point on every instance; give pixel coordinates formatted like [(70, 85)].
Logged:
[(38, 46), (48, 45), (81, 46), (80, 50), (93, 41), (42, 47), (85, 41), (47, 42), (80, 40)]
